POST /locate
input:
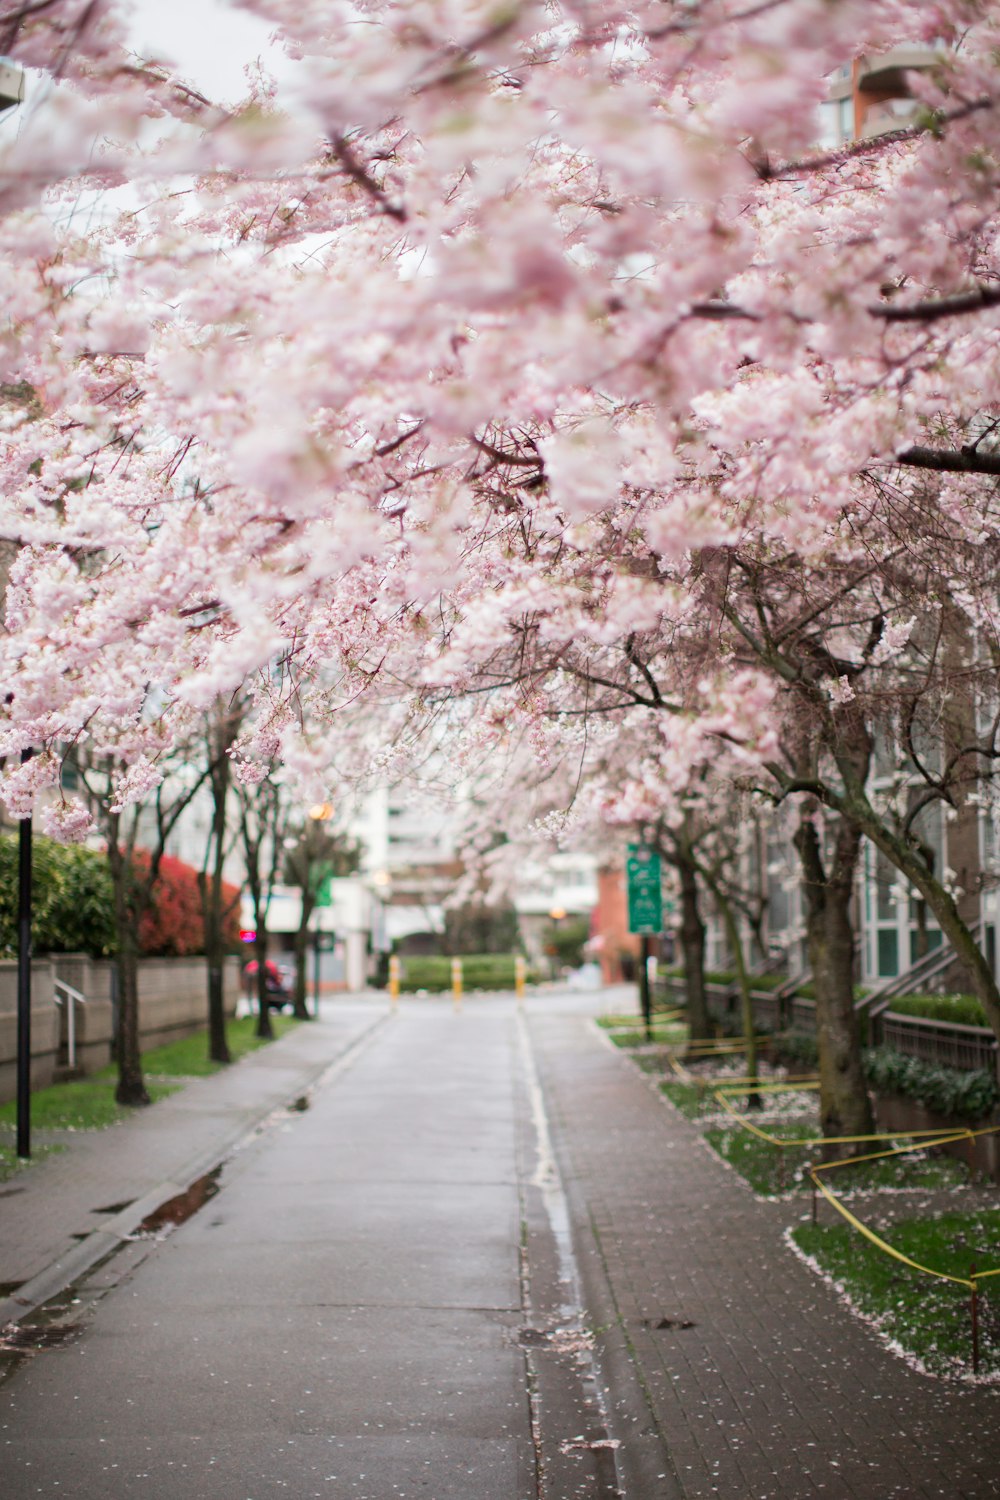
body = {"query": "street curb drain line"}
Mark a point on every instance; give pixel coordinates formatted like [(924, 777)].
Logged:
[(644, 1462), (103, 1240), (574, 1381)]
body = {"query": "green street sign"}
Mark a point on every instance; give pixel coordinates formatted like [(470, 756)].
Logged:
[(645, 898), (324, 888)]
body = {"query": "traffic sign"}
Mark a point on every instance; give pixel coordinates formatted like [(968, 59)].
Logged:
[(324, 884), (645, 897)]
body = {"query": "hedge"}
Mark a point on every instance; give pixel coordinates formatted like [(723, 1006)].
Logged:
[(957, 1093), (73, 905), (480, 971), (174, 926), (962, 1010)]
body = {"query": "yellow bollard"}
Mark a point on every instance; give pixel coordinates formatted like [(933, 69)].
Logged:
[(394, 980), (456, 982), (519, 970)]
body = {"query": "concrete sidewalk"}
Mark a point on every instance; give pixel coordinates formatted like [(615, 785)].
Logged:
[(726, 1358), (65, 1213)]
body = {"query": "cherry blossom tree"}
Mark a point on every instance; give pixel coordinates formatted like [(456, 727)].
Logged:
[(535, 327)]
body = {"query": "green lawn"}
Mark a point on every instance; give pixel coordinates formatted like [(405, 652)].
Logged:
[(189, 1058), (80, 1104), (691, 1100), (628, 1021), (771, 1170), (89, 1103), (672, 1034), (928, 1318)]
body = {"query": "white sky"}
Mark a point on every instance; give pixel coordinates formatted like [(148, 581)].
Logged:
[(209, 41)]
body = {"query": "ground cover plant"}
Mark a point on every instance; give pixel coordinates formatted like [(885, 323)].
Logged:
[(960, 1093), (78, 1104), (927, 1318), (665, 1033), (188, 1057), (771, 1170), (89, 1103)]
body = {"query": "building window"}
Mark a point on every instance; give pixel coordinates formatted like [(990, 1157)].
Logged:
[(888, 952)]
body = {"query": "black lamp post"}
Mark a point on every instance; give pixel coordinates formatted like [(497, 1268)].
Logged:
[(24, 982)]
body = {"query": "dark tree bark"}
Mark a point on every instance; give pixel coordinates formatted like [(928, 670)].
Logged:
[(735, 943), (131, 1088), (262, 822), (300, 1008), (212, 893), (264, 1029), (692, 946), (845, 1109), (130, 902)]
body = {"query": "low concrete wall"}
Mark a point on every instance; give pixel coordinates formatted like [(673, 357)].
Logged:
[(172, 1003), (173, 997), (44, 1026), (94, 1022)]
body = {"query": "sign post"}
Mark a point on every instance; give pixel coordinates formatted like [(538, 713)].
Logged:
[(645, 914)]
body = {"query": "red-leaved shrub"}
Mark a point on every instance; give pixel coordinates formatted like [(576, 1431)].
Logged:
[(174, 925)]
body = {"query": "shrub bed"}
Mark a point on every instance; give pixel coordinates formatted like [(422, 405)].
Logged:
[(73, 904), (957, 1093), (480, 971), (961, 1010), (73, 908)]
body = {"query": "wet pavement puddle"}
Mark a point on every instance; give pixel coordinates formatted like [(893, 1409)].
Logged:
[(181, 1207)]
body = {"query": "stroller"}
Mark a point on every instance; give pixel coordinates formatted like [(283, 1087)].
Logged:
[(275, 988)]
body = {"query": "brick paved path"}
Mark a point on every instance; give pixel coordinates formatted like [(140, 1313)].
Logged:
[(775, 1393)]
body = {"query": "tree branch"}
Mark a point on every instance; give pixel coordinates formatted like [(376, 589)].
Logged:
[(950, 461)]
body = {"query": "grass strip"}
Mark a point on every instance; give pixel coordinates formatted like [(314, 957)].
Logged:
[(669, 1035), (772, 1170), (89, 1103), (188, 1057), (79, 1104), (929, 1320), (689, 1098)]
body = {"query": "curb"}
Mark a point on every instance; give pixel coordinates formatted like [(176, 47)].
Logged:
[(644, 1459), (108, 1237)]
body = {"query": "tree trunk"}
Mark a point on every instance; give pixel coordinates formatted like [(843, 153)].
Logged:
[(215, 956), (213, 910), (131, 1088), (746, 1003), (845, 1109), (300, 1007), (693, 948), (264, 1030)]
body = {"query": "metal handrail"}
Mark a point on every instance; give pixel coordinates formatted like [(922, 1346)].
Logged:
[(71, 998), (878, 1000)]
